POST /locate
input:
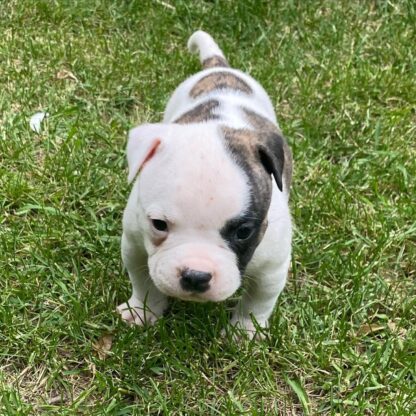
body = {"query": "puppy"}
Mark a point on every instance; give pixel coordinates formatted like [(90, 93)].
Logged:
[(208, 209)]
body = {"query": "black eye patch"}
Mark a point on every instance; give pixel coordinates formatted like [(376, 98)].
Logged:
[(242, 236)]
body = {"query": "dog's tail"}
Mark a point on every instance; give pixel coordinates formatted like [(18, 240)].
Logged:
[(210, 54)]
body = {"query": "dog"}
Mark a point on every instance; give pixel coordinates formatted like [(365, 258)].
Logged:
[(209, 205)]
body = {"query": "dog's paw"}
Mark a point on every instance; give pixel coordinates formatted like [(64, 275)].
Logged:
[(244, 328), (134, 313)]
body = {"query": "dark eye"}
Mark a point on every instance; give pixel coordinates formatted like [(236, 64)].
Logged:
[(244, 232), (160, 225)]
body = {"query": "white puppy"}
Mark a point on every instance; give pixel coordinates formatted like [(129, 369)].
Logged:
[(204, 213)]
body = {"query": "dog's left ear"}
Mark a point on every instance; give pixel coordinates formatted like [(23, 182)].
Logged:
[(272, 156), (142, 145)]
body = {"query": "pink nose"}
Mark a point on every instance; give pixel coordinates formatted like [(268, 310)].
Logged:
[(193, 263)]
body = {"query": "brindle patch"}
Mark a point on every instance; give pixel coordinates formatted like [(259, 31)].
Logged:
[(258, 122), (200, 113), (243, 145), (219, 80), (259, 153), (215, 61)]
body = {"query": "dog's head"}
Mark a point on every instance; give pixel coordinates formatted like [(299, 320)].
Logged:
[(202, 209)]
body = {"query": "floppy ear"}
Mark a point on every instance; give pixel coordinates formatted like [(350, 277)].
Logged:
[(142, 145), (272, 157)]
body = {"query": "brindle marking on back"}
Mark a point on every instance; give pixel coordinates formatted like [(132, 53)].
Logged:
[(200, 113), (219, 80), (260, 123), (215, 61)]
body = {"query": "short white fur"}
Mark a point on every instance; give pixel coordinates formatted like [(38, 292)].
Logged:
[(194, 185)]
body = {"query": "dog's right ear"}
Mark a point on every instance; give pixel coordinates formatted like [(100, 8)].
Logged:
[(142, 145)]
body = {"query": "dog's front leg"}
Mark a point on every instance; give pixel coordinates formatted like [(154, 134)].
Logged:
[(261, 291), (147, 303)]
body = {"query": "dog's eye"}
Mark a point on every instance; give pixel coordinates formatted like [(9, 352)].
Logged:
[(160, 225), (244, 232)]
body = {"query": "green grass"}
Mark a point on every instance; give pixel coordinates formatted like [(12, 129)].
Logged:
[(343, 338)]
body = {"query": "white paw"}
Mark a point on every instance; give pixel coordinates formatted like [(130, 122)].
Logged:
[(134, 313)]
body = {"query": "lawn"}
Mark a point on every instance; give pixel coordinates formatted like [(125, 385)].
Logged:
[(342, 76)]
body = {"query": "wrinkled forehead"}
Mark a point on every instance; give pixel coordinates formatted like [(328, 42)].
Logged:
[(197, 183)]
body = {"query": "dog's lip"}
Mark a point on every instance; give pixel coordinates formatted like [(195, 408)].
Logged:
[(193, 296), (207, 296), (186, 296), (201, 297)]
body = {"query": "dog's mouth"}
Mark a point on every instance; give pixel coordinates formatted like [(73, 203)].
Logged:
[(177, 293), (202, 297), (194, 298)]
